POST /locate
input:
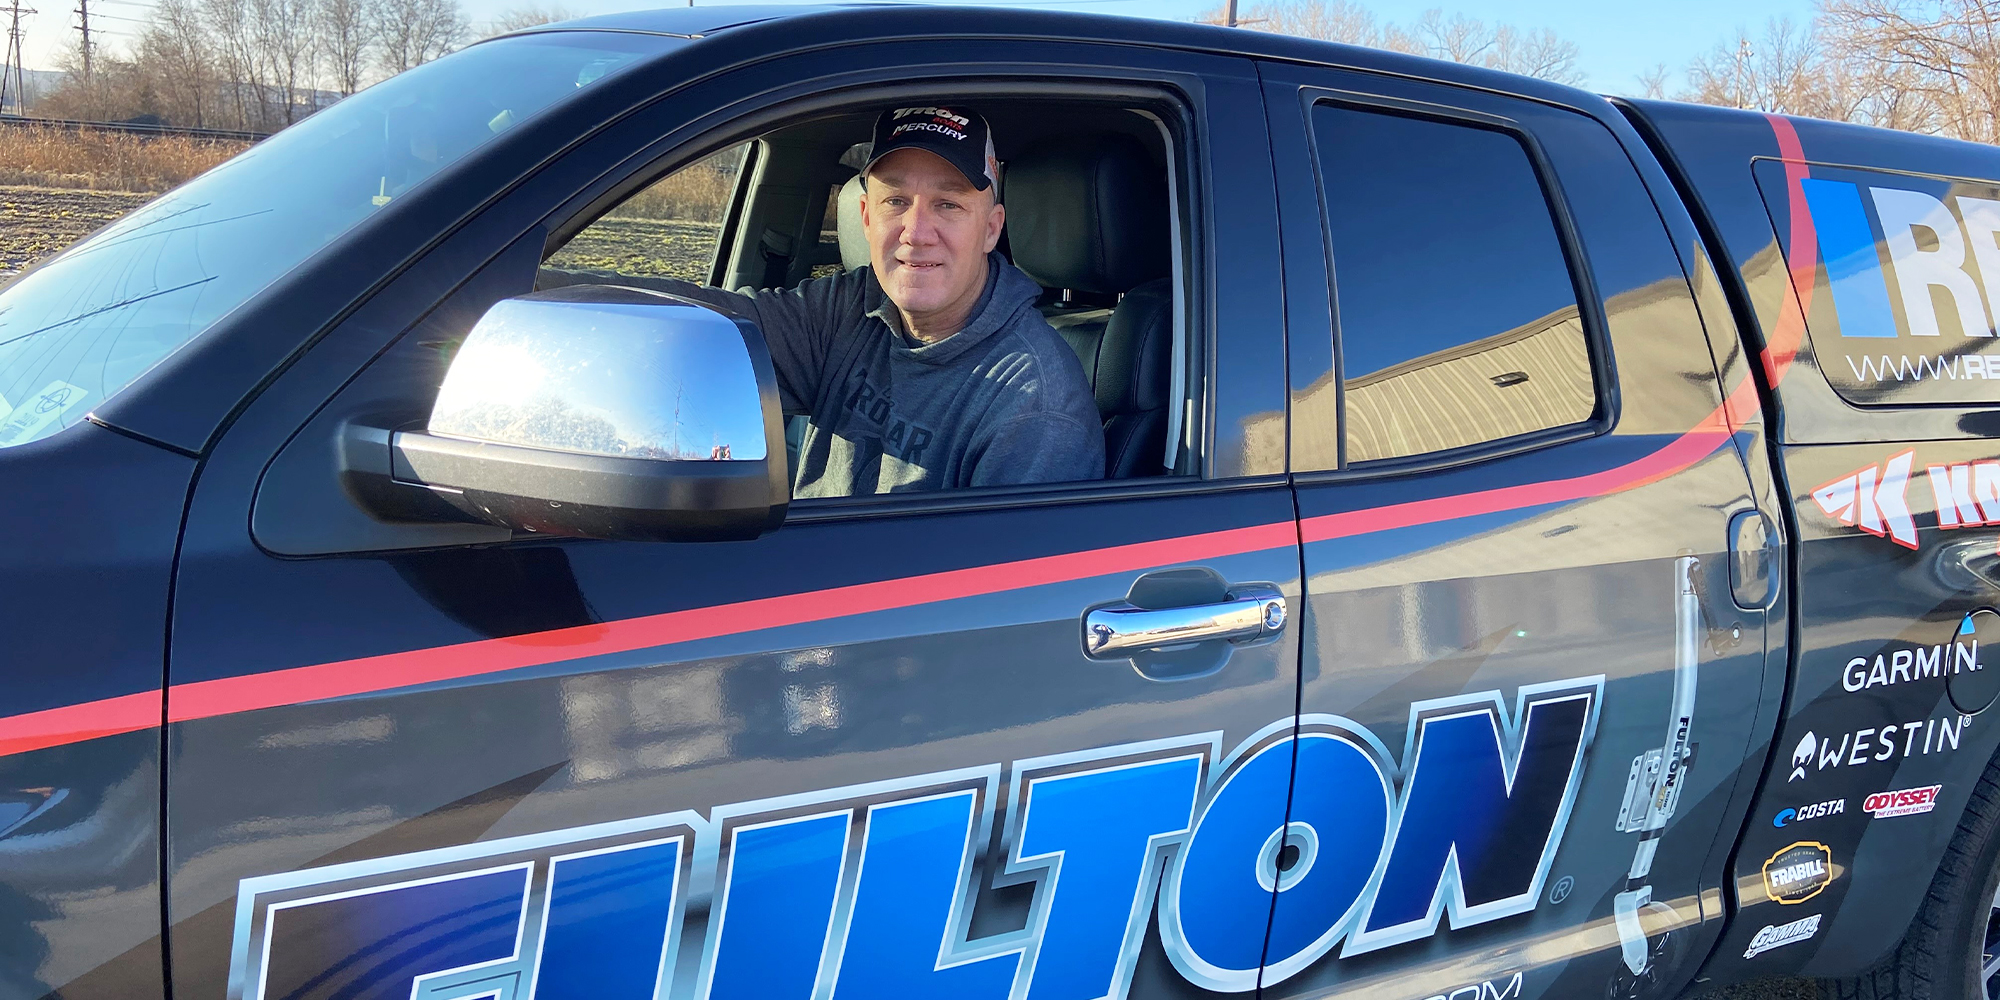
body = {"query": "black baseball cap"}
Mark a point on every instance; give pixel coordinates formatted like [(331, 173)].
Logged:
[(955, 133)]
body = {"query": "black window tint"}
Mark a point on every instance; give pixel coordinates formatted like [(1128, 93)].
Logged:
[(1458, 321)]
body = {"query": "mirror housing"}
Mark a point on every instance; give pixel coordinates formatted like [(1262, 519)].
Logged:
[(591, 411)]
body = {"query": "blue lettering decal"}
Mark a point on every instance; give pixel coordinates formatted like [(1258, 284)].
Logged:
[(1099, 832), (1853, 268), (772, 928), (609, 915), (384, 943), (1261, 864), (1338, 828), (1215, 907), (915, 872), (1480, 824)]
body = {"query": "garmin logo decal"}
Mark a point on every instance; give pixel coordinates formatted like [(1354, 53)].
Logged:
[(869, 890)]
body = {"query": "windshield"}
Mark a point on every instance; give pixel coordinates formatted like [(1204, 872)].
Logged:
[(83, 326)]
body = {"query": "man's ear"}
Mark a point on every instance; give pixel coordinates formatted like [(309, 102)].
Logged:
[(863, 195), (995, 221)]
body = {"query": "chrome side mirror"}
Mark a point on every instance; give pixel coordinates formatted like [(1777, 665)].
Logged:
[(594, 411)]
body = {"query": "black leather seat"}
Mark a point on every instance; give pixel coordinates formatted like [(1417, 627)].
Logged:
[(1089, 215)]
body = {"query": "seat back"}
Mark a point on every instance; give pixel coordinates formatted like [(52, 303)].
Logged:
[(1090, 215)]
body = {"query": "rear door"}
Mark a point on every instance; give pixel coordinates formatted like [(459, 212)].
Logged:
[(849, 758), (1526, 684)]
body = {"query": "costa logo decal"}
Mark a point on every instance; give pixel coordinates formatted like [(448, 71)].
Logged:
[(1798, 873), (1904, 802), (1780, 935), (869, 890), (1831, 807)]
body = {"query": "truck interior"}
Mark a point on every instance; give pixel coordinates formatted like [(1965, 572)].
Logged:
[(1092, 217)]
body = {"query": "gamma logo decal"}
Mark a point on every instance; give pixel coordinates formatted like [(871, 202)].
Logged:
[(1798, 873), (868, 890), (1780, 935)]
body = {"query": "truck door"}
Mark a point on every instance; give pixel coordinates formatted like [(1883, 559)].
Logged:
[(467, 765), (1526, 685)]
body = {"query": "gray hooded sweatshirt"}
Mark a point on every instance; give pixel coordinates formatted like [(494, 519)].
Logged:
[(1001, 402)]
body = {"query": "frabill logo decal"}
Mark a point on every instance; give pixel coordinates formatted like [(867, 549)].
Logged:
[(1799, 872)]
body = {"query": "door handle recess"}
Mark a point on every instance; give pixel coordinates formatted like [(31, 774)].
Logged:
[(1248, 614)]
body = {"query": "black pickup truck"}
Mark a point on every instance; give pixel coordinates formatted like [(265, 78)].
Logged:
[(379, 626)]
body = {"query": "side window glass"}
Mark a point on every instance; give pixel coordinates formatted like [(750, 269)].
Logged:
[(670, 229), (1456, 311)]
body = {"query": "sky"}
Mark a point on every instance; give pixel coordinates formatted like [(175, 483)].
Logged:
[(1619, 40)]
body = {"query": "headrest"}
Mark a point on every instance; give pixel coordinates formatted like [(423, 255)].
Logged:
[(1135, 361), (853, 242), (1088, 214)]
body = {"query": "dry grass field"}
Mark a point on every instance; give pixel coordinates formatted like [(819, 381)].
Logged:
[(106, 161)]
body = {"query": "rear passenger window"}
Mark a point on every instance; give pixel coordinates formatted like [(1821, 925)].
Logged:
[(1456, 313)]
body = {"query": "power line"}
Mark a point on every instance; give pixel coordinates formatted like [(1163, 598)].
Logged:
[(10, 67), (83, 13)]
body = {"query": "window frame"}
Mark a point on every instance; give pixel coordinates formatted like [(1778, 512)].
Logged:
[(1590, 307), (1170, 107)]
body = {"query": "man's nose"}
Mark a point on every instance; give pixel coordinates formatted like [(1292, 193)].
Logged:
[(920, 225)]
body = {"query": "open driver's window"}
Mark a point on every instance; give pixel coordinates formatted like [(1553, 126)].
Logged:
[(775, 212)]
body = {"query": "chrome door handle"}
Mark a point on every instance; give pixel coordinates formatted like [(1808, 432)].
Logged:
[(1119, 630)]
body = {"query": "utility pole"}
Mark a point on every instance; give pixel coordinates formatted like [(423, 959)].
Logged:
[(12, 76), (1228, 17), (83, 12)]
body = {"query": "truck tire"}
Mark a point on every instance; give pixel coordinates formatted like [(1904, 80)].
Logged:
[(1952, 949)]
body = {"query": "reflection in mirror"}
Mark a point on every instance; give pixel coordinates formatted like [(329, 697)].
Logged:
[(600, 370)]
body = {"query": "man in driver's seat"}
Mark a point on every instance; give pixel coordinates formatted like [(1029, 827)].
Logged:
[(931, 368)]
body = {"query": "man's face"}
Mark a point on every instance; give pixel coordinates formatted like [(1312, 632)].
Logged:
[(928, 232)]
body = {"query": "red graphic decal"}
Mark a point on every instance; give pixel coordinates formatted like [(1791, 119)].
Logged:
[(1873, 500)]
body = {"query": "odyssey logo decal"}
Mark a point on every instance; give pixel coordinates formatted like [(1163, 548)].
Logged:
[(1903, 802), (1799, 872), (870, 890)]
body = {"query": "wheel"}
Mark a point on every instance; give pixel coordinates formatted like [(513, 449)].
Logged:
[(1952, 949)]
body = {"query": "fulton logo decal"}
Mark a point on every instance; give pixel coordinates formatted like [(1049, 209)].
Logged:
[(1799, 872), (869, 890)]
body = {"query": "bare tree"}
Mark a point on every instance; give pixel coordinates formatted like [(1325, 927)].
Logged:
[(175, 49), (528, 16), (1653, 82), (285, 46), (415, 32), (1942, 55), (1459, 38), (1539, 53), (346, 31), (230, 36)]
